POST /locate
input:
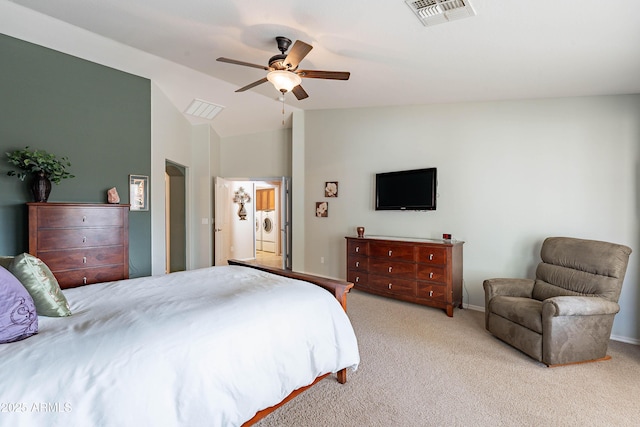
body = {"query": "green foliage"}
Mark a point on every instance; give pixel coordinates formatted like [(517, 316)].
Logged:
[(30, 162)]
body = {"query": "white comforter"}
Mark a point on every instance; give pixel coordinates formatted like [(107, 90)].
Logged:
[(207, 347)]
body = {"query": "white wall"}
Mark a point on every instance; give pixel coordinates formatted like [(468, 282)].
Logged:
[(201, 204), (263, 155), (510, 174), (175, 139)]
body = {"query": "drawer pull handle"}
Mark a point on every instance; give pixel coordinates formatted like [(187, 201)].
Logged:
[(431, 275), (357, 279), (84, 280), (430, 257), (84, 218), (357, 248), (84, 259), (390, 252), (84, 239), (430, 293), (390, 268), (357, 263), (389, 285)]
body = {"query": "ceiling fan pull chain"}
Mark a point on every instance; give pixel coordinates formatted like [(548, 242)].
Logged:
[(282, 98)]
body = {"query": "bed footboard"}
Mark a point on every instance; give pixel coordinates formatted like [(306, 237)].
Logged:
[(338, 288)]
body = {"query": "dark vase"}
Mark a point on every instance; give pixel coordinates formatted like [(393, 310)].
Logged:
[(242, 212), (41, 187)]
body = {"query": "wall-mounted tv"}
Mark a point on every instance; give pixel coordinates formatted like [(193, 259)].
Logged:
[(407, 190)]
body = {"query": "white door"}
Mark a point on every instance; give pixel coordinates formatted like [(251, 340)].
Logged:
[(221, 221)]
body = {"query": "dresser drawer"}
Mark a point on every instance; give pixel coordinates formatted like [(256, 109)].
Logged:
[(60, 217), (61, 238), (392, 268), (86, 276), (431, 291), (392, 285), (82, 258), (357, 247), (356, 262), (432, 255), (431, 273), (389, 251), (358, 278)]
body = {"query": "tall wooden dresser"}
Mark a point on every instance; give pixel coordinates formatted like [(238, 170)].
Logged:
[(81, 243), (427, 272)]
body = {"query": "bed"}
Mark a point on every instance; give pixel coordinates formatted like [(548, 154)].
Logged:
[(219, 346)]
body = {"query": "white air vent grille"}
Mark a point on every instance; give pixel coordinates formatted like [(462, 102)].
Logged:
[(204, 109), (432, 12)]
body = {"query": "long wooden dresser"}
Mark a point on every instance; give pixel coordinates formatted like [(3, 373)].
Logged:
[(422, 271), (81, 243)]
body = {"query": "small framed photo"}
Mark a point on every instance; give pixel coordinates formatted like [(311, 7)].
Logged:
[(331, 189), (322, 209), (138, 192)]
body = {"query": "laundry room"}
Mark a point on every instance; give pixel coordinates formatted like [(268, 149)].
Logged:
[(257, 203)]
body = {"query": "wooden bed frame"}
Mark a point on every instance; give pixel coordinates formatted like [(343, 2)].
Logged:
[(338, 288)]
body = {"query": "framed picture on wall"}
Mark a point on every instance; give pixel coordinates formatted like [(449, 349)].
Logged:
[(139, 192), (331, 189), (322, 209)]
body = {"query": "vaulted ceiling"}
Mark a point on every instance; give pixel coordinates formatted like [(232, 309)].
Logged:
[(508, 50)]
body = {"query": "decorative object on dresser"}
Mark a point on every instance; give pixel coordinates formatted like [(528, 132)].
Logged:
[(82, 243), (422, 271), (360, 231), (43, 167), (112, 196)]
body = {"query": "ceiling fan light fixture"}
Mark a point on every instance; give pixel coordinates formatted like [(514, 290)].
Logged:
[(284, 80)]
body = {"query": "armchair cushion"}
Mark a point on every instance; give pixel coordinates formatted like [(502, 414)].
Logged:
[(526, 312), (580, 267)]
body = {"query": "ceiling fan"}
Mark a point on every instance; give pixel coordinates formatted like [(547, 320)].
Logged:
[(283, 69)]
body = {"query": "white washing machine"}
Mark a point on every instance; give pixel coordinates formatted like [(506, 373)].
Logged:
[(269, 231), (258, 230)]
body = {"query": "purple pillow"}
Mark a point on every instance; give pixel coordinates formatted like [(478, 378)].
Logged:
[(18, 318)]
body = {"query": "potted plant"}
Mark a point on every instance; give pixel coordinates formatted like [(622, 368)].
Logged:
[(44, 167)]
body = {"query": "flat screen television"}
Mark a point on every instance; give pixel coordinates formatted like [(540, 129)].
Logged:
[(411, 190)]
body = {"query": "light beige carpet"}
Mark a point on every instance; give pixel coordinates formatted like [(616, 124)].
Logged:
[(421, 368)]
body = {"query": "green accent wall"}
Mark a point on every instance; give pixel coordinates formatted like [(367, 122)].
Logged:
[(97, 116)]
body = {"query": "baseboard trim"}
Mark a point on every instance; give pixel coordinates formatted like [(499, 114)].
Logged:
[(627, 340)]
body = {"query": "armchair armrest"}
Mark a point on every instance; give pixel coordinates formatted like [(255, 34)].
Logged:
[(578, 306), (508, 287)]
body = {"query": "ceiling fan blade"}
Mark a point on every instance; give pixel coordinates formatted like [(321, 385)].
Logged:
[(299, 92), (254, 84), (317, 74), (296, 54), (246, 64)]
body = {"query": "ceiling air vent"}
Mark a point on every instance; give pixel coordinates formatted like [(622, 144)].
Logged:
[(433, 12), (204, 109)]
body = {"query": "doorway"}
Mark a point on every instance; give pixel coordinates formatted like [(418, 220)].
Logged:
[(175, 217), (265, 235)]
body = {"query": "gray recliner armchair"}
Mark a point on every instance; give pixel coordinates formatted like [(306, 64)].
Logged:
[(565, 315)]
